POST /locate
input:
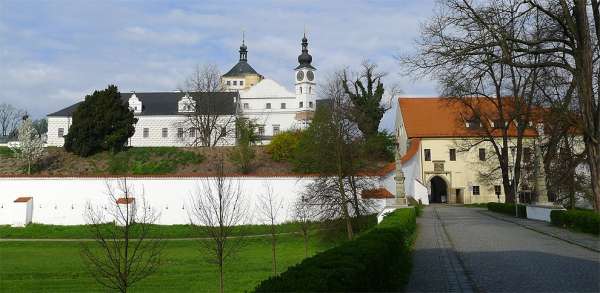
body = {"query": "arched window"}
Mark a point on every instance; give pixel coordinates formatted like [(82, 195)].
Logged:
[(300, 89), (310, 89)]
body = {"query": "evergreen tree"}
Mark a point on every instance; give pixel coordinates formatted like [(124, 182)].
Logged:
[(102, 122)]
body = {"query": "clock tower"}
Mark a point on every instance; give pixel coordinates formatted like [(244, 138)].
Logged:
[(305, 80)]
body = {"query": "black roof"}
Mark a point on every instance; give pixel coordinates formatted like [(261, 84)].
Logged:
[(241, 68), (166, 103)]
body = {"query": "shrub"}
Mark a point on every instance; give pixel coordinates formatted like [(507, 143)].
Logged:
[(283, 145), (243, 153), (507, 208), (578, 220), (151, 160), (381, 146), (378, 260)]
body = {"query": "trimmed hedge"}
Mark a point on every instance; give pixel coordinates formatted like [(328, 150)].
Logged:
[(578, 220), (507, 208), (379, 260)]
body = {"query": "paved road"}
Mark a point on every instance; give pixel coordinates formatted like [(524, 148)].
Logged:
[(461, 250)]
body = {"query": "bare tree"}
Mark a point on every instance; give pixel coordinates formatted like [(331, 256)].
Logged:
[(9, 119), (304, 215), (122, 254), (217, 208), (269, 206), (207, 124)]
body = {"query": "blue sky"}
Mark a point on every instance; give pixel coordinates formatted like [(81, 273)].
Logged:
[(52, 53)]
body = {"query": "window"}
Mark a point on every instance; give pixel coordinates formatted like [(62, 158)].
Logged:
[(301, 105), (192, 132), (61, 132), (228, 82), (476, 190), (275, 129), (165, 132), (241, 82), (300, 89), (268, 105), (235, 82), (146, 132), (482, 154), (179, 132), (223, 131), (452, 154), (473, 124), (261, 130), (497, 189), (310, 104), (310, 89), (427, 155), (282, 105), (246, 106)]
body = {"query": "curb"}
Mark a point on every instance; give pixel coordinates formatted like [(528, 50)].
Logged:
[(489, 214)]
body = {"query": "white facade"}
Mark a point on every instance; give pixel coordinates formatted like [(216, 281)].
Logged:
[(62, 201)]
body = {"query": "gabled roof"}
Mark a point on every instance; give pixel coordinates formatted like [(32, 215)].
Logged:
[(166, 103), (240, 69), (439, 117), (267, 88)]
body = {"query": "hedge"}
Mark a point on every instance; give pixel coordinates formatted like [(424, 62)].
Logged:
[(583, 221), (378, 260), (507, 208)]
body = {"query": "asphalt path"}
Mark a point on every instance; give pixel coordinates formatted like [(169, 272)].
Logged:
[(459, 249)]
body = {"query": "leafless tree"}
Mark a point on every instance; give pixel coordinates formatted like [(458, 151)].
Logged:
[(207, 124), (217, 208), (304, 214), (9, 119), (469, 50), (122, 254), (269, 206)]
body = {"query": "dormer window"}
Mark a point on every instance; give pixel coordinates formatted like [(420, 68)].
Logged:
[(473, 124), (186, 104), (135, 104)]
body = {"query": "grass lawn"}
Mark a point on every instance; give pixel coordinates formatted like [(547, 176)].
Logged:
[(57, 267), (157, 231)]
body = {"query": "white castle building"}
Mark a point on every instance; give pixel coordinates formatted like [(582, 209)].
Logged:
[(163, 117)]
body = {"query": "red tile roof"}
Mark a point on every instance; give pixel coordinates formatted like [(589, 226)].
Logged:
[(440, 117), (377, 193), (23, 199), (123, 200)]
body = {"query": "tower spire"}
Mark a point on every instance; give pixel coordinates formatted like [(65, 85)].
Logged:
[(243, 48), (304, 59)]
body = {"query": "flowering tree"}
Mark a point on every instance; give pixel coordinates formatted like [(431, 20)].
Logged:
[(31, 146)]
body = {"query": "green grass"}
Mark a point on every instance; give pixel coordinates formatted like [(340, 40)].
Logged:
[(57, 267), (6, 152), (151, 160), (41, 231)]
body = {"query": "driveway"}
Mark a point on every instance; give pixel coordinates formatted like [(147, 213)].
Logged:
[(459, 249)]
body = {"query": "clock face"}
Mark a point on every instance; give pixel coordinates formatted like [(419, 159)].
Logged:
[(310, 75), (300, 75)]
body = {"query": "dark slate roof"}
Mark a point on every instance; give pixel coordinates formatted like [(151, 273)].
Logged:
[(165, 103), (241, 68)]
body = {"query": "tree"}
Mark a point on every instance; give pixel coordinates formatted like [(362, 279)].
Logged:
[(122, 253), (366, 91), (243, 152), (101, 122), (304, 215), (9, 119), (467, 49), (41, 126), (217, 208), (31, 146), (269, 206), (206, 120), (331, 147)]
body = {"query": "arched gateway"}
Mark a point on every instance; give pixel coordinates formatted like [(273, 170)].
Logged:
[(439, 190)]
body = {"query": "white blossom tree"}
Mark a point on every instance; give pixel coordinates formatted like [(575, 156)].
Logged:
[(31, 146)]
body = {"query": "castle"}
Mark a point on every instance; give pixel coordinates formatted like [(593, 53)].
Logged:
[(164, 117)]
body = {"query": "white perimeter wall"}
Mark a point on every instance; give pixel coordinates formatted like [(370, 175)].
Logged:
[(62, 201)]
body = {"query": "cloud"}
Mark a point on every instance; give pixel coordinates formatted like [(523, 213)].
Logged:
[(53, 53)]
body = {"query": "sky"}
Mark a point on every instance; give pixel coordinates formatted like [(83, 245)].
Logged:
[(53, 53)]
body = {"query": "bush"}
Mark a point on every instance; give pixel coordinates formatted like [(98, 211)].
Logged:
[(283, 145), (378, 260), (151, 160), (507, 208), (380, 146), (578, 220)]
